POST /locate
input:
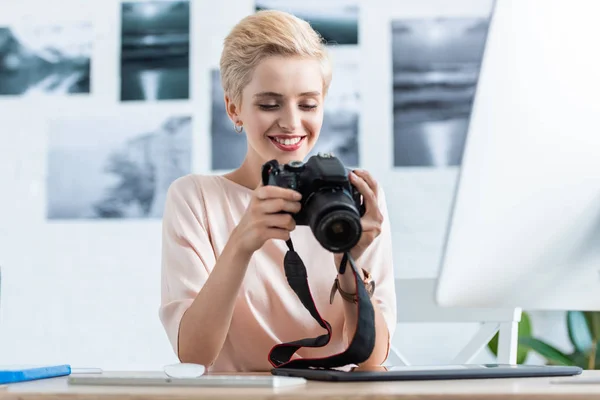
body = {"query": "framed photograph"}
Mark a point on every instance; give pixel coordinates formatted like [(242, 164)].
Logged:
[(436, 63), (228, 148), (155, 50), (51, 59), (335, 20), (115, 168)]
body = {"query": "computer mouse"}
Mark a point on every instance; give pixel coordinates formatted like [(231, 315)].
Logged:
[(184, 370)]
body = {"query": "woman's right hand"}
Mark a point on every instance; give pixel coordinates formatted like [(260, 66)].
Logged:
[(264, 220)]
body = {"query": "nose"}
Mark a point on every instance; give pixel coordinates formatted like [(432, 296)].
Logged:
[(289, 120)]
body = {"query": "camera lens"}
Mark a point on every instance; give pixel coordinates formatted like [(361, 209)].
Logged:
[(340, 230), (339, 227), (334, 220)]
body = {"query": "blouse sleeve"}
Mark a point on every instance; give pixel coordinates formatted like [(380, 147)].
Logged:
[(187, 254), (378, 260)]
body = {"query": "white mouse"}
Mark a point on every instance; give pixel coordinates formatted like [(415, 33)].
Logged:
[(184, 370)]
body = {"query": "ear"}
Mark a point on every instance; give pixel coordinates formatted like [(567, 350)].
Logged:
[(233, 111)]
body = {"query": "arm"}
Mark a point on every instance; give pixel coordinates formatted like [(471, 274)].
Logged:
[(199, 290), (201, 342), (191, 274)]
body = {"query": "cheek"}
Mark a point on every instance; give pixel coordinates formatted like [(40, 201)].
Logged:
[(258, 122), (313, 123)]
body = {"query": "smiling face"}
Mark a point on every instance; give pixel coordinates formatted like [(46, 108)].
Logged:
[(281, 109)]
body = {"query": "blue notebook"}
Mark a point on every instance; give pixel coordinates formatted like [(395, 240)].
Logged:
[(21, 373)]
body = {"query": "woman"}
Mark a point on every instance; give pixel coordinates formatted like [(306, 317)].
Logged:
[(225, 298)]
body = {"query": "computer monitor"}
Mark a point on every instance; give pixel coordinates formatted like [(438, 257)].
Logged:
[(524, 229)]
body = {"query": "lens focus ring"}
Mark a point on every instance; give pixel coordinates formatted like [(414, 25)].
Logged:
[(338, 230)]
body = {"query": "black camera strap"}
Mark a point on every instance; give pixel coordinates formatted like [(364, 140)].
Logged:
[(362, 343)]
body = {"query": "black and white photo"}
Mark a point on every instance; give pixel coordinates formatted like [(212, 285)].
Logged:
[(115, 168), (338, 135), (155, 50), (52, 59), (335, 20), (228, 147), (436, 63)]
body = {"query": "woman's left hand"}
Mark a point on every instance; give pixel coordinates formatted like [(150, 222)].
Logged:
[(372, 219)]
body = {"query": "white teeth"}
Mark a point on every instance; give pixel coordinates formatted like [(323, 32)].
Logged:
[(288, 142)]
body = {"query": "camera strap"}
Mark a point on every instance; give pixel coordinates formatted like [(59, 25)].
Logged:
[(362, 343)]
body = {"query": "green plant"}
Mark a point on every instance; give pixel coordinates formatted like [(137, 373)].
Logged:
[(524, 332), (584, 331)]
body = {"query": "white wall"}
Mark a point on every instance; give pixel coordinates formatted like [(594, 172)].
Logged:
[(87, 293)]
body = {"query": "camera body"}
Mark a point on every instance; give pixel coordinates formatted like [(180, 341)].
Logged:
[(330, 204)]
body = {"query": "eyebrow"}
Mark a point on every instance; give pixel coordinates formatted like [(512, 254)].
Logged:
[(279, 95)]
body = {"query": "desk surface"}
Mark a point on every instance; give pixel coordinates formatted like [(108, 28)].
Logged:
[(484, 389)]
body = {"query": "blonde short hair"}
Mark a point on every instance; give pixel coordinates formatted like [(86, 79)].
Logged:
[(263, 34)]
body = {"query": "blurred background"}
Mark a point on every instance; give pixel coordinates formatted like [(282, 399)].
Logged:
[(50, 58), (103, 103), (155, 50)]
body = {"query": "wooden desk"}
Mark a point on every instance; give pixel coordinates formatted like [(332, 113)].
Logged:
[(492, 389)]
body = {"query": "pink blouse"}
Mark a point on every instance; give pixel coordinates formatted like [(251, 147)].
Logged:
[(200, 213)]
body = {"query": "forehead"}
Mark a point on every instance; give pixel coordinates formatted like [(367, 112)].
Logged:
[(287, 75)]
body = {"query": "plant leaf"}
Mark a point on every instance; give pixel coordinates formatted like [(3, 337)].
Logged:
[(493, 345), (596, 325), (583, 360), (579, 331), (525, 325), (547, 351), (524, 331), (593, 321)]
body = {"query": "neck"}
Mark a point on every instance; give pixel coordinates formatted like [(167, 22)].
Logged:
[(249, 173)]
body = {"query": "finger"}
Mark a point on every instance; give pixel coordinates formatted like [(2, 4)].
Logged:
[(365, 190), (281, 221), (271, 206), (370, 226), (270, 191), (369, 237), (367, 177), (276, 233)]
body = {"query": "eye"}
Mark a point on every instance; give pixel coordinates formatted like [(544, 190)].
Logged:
[(267, 107), (309, 106)]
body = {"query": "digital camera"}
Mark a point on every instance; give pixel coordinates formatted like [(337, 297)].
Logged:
[(330, 204)]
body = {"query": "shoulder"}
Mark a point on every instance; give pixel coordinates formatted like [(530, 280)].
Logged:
[(201, 193), (194, 187), (190, 194), (184, 189)]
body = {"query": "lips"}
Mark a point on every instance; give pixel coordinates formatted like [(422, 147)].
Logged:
[(287, 142)]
